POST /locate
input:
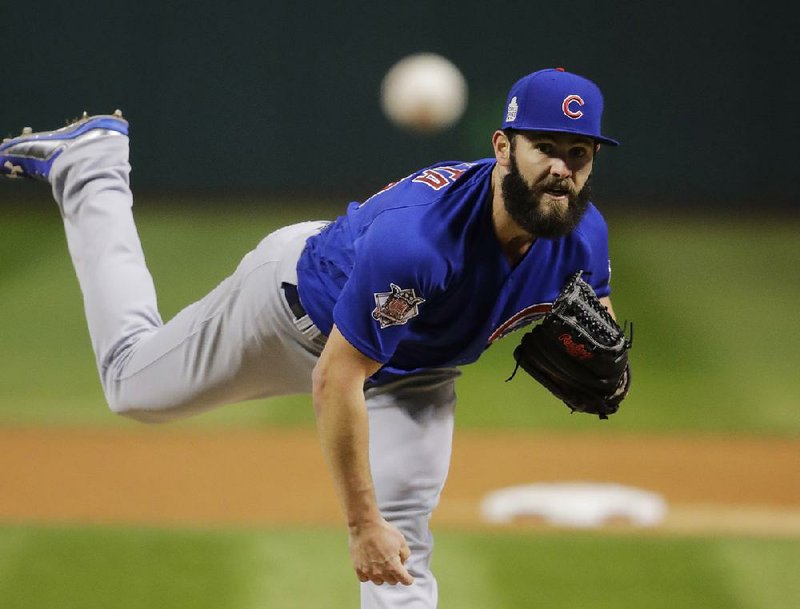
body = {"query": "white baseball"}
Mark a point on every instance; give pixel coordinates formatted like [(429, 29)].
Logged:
[(424, 92)]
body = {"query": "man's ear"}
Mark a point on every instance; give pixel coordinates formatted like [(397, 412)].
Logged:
[(502, 148)]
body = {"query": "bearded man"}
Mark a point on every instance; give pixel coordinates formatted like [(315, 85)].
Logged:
[(372, 313)]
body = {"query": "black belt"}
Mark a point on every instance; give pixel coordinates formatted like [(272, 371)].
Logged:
[(293, 300)]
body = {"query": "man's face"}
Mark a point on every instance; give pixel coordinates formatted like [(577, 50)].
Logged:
[(547, 188)]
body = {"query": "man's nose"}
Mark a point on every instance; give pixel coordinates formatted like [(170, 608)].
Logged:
[(559, 168)]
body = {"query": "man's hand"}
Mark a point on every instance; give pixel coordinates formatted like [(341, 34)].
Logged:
[(379, 551)]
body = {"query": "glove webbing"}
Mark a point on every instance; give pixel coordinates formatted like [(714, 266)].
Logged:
[(593, 321)]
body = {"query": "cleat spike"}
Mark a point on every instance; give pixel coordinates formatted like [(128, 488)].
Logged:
[(118, 113), (27, 130)]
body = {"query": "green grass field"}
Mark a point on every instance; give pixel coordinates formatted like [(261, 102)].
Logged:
[(714, 303), (135, 568)]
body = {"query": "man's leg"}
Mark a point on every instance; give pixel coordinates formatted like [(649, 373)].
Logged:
[(411, 428), (90, 183), (237, 343)]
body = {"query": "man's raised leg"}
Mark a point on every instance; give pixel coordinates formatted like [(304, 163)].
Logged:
[(239, 342)]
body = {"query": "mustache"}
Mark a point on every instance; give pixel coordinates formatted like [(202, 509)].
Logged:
[(553, 183)]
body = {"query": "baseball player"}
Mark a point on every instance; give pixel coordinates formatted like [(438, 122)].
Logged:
[(372, 313)]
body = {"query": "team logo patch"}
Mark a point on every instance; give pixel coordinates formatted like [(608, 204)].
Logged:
[(511, 113), (568, 111), (395, 308)]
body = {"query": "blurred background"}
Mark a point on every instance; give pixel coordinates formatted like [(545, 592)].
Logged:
[(247, 116), (282, 98)]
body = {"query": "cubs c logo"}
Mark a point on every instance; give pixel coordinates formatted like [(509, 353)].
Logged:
[(568, 112)]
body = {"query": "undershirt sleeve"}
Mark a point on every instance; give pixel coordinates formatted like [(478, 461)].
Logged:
[(594, 231)]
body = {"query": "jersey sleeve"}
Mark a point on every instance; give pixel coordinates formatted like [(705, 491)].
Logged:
[(594, 232), (395, 273)]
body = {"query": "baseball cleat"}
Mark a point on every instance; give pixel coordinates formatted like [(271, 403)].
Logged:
[(31, 155)]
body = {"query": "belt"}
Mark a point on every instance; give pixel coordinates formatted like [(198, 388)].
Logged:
[(293, 300), (301, 319)]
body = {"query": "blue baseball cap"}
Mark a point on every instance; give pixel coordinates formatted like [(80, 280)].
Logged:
[(556, 100)]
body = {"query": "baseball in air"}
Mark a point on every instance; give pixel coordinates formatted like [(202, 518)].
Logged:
[(424, 93)]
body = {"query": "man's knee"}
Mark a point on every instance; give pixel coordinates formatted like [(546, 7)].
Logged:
[(136, 412)]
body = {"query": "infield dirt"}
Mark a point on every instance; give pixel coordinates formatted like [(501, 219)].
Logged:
[(169, 476)]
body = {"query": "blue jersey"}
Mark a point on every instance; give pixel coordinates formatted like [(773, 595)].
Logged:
[(415, 277)]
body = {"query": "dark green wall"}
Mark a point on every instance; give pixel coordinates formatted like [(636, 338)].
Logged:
[(279, 97)]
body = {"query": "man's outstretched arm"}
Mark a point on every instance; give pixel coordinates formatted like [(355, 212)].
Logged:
[(378, 549)]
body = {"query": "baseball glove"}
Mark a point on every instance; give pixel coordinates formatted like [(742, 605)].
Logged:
[(579, 352)]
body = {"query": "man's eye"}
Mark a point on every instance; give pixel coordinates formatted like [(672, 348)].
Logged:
[(544, 147), (578, 153)]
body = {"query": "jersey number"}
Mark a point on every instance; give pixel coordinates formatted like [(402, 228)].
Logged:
[(439, 177)]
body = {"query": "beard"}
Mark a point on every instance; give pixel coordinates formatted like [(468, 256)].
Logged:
[(527, 207)]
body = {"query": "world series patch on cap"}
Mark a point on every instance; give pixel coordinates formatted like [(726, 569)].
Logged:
[(556, 100)]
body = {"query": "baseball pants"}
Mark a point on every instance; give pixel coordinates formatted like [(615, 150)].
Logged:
[(240, 342)]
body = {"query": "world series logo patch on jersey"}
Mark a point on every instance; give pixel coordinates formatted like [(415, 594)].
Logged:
[(395, 308)]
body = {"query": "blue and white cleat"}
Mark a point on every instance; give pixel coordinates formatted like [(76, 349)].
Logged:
[(31, 155)]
